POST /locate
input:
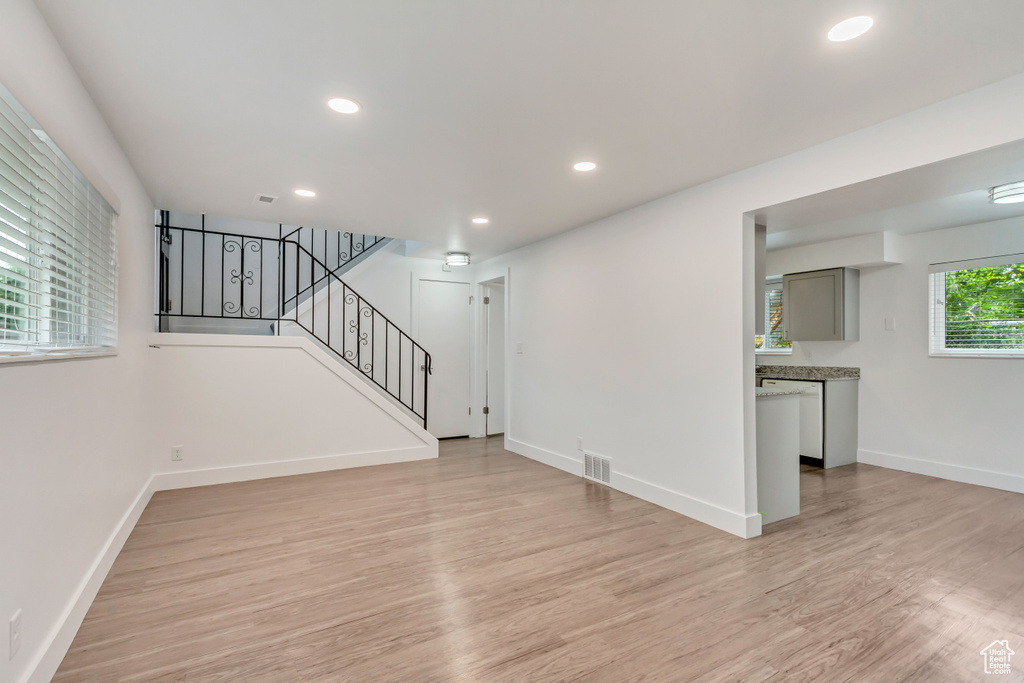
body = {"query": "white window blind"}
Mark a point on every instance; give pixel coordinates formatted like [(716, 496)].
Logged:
[(772, 340), (977, 307), (58, 246)]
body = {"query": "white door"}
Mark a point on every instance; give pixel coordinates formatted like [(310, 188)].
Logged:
[(443, 315), (495, 358)]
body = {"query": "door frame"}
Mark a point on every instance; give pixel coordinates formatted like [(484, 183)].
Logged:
[(479, 352)]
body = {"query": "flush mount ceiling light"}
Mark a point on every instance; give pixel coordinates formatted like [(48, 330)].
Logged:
[(305, 193), (1011, 193), (481, 220), (455, 258), (343, 105), (850, 29), (584, 166)]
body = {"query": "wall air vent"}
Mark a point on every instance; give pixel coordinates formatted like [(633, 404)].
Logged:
[(264, 199), (597, 468)]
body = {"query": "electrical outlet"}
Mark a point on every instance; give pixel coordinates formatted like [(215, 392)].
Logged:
[(177, 453), (579, 443), (15, 634)]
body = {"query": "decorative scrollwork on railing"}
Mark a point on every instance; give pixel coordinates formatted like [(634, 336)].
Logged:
[(237, 276), (294, 279)]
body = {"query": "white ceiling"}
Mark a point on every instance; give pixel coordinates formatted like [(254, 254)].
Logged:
[(476, 107), (945, 194)]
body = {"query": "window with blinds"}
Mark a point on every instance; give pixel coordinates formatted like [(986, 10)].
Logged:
[(772, 341), (58, 247), (978, 307)]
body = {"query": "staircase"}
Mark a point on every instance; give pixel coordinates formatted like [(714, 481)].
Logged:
[(232, 283)]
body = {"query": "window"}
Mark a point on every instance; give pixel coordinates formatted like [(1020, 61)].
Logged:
[(771, 341), (58, 247), (977, 307)]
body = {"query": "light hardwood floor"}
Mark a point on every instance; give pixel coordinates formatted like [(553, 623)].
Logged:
[(486, 566)]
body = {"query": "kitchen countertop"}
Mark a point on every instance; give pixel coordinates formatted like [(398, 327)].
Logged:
[(760, 392), (806, 372)]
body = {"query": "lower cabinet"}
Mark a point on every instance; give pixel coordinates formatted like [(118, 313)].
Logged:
[(840, 424)]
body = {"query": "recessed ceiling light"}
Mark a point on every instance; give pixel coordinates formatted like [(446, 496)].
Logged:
[(1011, 193), (850, 29), (481, 220), (456, 258), (305, 193), (343, 105), (585, 166)]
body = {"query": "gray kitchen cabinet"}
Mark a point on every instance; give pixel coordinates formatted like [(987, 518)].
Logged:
[(821, 305)]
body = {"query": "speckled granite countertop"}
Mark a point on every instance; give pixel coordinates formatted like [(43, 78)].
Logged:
[(760, 392), (806, 372)]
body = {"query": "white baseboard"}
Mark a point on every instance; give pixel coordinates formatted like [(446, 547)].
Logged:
[(550, 458), (59, 640), (942, 470), (744, 526), (165, 481)]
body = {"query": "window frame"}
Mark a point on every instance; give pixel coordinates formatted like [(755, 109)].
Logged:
[(61, 243), (937, 307), (773, 284)]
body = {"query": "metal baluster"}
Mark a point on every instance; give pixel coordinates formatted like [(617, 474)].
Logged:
[(181, 301), (241, 280), (426, 387), (202, 264)]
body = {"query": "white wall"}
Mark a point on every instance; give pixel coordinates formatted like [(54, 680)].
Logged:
[(958, 418), (633, 327), (250, 407), (74, 450)]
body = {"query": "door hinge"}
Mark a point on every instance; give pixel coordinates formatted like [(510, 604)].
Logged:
[(487, 411), (487, 300)]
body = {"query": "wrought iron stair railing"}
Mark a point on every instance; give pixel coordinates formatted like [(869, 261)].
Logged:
[(235, 277), (337, 251)]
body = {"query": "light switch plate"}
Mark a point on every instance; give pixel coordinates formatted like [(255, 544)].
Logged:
[(519, 347), (890, 324)]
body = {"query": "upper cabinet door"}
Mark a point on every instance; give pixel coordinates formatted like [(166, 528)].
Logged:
[(821, 305)]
